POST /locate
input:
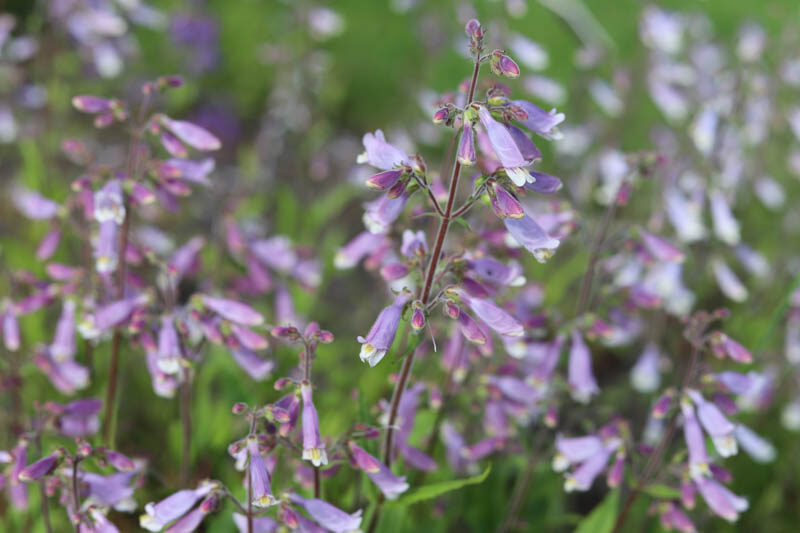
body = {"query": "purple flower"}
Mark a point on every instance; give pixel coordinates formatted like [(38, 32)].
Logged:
[(362, 245), (66, 376), (528, 234), (105, 251), (646, 373), (575, 450), (723, 345), (757, 447), (63, 346), (40, 468), (313, 447), (193, 135), (381, 335), (673, 518), (79, 418), (158, 515), (91, 104), (389, 484), (234, 311), (581, 380), (256, 367), (115, 313), (698, 460), (716, 425), (723, 502), (381, 154), (661, 249), (505, 148), (466, 145), (259, 476), (544, 184), (330, 517), (414, 243), (470, 330), (384, 180), (540, 121), (492, 270), (48, 245), (381, 213), (33, 205), (494, 317), (504, 203)]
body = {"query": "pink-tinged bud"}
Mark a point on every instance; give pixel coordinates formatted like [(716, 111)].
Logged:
[(504, 66), (325, 337), (84, 449), (551, 416), (193, 135), (91, 104), (239, 408), (474, 31), (397, 190), (672, 518), (288, 333), (209, 504), (281, 383), (471, 331), (41, 468), (442, 115), (466, 145), (170, 81), (384, 180), (234, 311), (451, 310), (289, 518), (663, 404), (418, 319), (723, 345), (504, 203)]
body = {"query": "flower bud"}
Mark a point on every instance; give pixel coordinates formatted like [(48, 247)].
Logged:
[(289, 333), (384, 180), (281, 383), (451, 310), (441, 116), (418, 319), (502, 65), (239, 408)]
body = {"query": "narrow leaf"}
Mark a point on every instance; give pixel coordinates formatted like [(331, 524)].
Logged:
[(602, 517), (427, 492)]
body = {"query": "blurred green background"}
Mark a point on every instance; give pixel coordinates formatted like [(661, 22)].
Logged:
[(373, 72)]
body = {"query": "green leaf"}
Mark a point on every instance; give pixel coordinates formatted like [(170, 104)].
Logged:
[(427, 492), (602, 517), (463, 222), (664, 492)]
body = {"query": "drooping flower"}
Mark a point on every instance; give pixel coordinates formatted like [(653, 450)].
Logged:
[(532, 237), (506, 149), (381, 335), (330, 517), (158, 515), (580, 377), (259, 476), (695, 443), (389, 484), (313, 447), (234, 311), (646, 373), (719, 428), (466, 145), (723, 502)]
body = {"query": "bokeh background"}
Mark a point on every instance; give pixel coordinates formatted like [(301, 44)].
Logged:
[(290, 87)]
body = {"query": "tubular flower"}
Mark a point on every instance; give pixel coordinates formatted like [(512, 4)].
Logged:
[(506, 149), (313, 447), (379, 339)]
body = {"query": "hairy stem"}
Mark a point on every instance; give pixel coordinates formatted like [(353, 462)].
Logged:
[(430, 273)]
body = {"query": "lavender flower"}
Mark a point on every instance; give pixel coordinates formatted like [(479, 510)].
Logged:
[(313, 447), (381, 335), (328, 516), (390, 485)]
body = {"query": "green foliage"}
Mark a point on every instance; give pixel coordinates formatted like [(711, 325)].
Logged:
[(434, 490), (603, 517)]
